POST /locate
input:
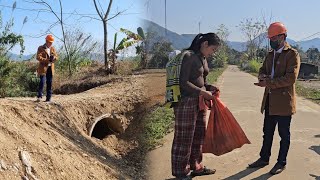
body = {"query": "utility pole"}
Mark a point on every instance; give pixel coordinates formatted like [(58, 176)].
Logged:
[(165, 16), (199, 26)]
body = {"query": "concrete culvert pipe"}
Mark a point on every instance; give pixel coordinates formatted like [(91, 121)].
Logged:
[(106, 125)]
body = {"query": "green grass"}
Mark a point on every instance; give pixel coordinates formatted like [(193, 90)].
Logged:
[(160, 120), (214, 75), (158, 124), (309, 93)]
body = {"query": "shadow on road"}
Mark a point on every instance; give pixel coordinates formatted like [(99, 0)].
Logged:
[(241, 174), (316, 177), (315, 149), (263, 177)]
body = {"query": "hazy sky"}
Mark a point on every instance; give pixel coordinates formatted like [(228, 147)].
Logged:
[(300, 17), (38, 23)]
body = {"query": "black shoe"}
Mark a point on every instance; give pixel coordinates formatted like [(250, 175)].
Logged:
[(258, 164), (278, 168)]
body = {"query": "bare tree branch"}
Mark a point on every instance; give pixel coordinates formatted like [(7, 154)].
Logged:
[(117, 14), (97, 9), (101, 7), (89, 17), (108, 11)]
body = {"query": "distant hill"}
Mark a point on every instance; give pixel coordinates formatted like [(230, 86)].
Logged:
[(178, 41), (181, 41), (16, 57), (313, 43)]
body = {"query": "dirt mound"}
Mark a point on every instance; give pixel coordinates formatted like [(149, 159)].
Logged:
[(57, 136)]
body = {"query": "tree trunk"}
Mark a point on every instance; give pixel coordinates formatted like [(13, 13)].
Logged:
[(105, 48), (64, 39), (67, 50)]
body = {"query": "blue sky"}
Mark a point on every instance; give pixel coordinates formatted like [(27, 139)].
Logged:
[(300, 17), (39, 23), (183, 16)]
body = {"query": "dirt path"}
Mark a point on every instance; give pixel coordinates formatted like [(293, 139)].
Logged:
[(244, 99)]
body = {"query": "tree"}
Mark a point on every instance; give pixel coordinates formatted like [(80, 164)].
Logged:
[(8, 39), (223, 33), (112, 53), (160, 51), (255, 34), (141, 48), (104, 17), (262, 53), (298, 48), (313, 54), (220, 58), (233, 56)]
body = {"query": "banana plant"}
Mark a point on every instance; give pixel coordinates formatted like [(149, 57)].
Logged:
[(112, 54), (140, 49)]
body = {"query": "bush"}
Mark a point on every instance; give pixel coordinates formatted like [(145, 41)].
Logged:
[(76, 64), (219, 59), (27, 78), (17, 78), (254, 66), (251, 66), (6, 70)]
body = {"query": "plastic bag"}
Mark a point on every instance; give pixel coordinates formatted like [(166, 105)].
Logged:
[(223, 134)]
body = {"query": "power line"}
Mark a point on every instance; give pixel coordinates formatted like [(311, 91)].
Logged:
[(309, 36), (66, 13), (165, 15)]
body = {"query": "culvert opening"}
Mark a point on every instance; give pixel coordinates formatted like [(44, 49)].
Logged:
[(104, 126), (101, 129)]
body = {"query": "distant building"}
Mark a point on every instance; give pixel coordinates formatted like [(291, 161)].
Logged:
[(308, 70), (173, 54)]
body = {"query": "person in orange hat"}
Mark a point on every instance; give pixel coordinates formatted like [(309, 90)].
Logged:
[(46, 56), (277, 75)]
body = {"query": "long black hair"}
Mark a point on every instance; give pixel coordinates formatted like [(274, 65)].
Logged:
[(212, 39)]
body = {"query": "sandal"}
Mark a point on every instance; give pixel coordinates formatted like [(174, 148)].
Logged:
[(203, 172)]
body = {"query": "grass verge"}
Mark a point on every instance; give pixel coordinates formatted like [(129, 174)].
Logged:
[(308, 93), (215, 74), (158, 123)]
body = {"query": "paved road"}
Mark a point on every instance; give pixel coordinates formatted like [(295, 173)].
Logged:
[(244, 99)]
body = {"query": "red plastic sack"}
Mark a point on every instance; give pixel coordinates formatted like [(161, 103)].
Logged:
[(223, 134)]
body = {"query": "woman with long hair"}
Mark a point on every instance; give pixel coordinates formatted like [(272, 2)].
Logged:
[(190, 121)]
